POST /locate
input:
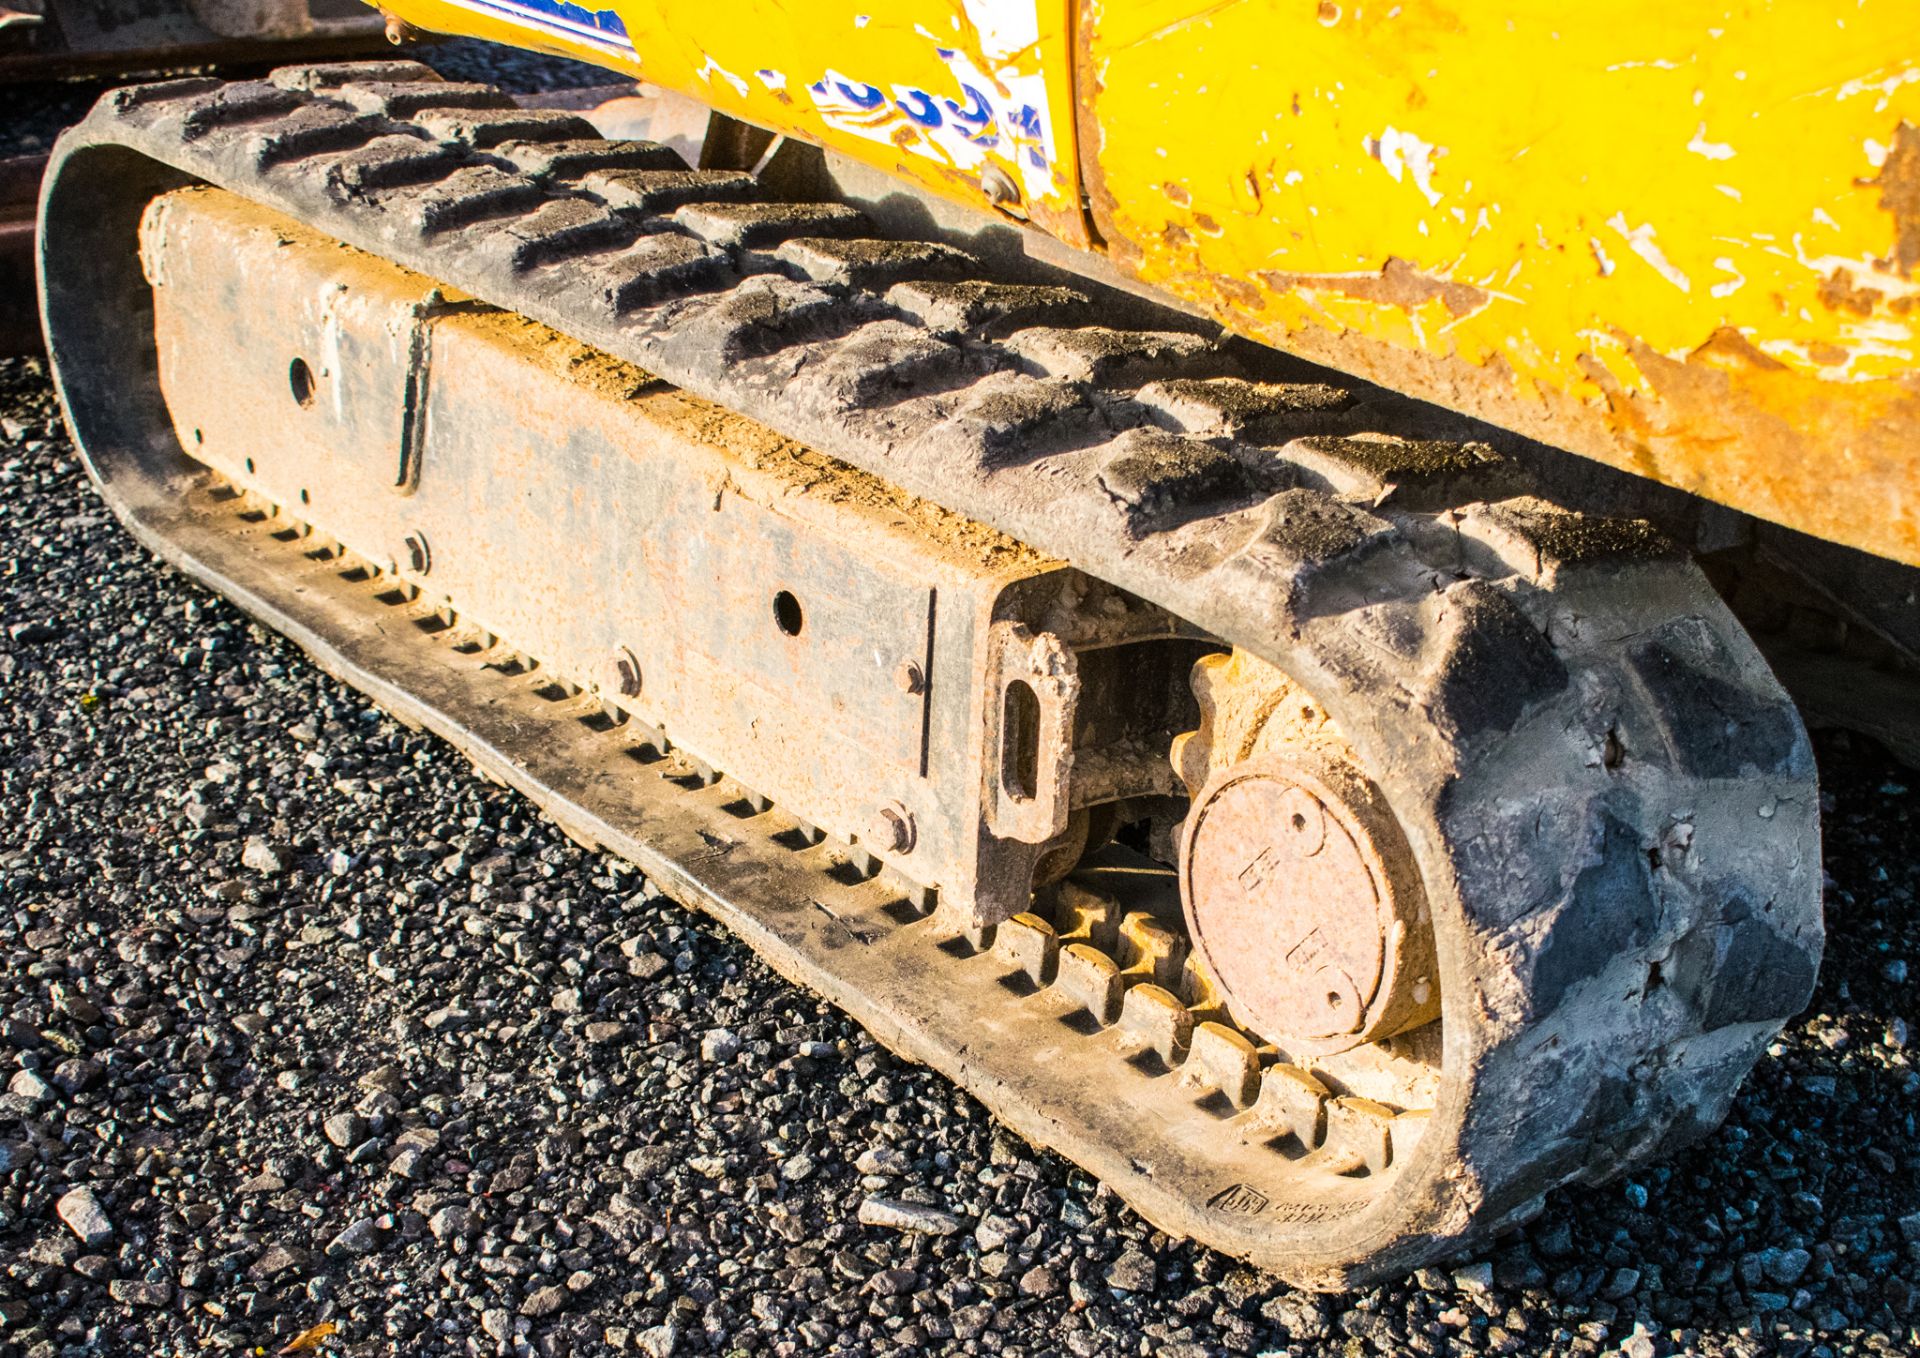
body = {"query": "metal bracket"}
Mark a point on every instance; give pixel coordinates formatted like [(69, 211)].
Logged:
[(1033, 688), (413, 414)]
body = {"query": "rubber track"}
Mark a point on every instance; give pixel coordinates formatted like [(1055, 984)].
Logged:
[(1618, 940)]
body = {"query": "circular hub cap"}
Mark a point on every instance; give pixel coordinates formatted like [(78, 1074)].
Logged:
[(1290, 905)]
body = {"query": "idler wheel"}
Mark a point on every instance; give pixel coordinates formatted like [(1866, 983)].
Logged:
[(1300, 893)]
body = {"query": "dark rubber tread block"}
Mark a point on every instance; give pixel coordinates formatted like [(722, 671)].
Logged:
[(403, 99), (1110, 358), (1422, 475), (471, 194), (1713, 727), (761, 226), (397, 161), (658, 192), (885, 362), (1490, 665), (1011, 418), (313, 130), (659, 269), (1159, 478), (758, 318), (485, 128), (1556, 537), (1242, 408), (974, 307), (557, 229), (872, 265), (131, 97), (574, 159), (228, 105), (323, 77)]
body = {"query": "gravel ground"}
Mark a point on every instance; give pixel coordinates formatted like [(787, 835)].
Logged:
[(307, 1024)]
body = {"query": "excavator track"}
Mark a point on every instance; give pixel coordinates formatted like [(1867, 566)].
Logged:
[(1560, 761)]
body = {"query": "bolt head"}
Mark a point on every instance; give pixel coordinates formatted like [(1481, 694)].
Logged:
[(891, 830), (999, 187), (620, 674)]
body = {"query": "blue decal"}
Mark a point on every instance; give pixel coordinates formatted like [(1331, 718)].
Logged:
[(919, 107), (864, 96), (600, 26), (976, 115), (603, 19), (1026, 120)]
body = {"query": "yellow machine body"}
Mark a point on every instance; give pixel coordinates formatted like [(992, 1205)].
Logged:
[(1678, 237)]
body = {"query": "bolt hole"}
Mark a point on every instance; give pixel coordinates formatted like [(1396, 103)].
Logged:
[(300, 382), (199, 437), (249, 465), (787, 615), (1612, 753), (305, 499), (1299, 821), (1020, 742), (1333, 999)]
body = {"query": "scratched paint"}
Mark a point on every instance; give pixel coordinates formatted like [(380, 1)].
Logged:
[(975, 120), (939, 91), (1675, 235)]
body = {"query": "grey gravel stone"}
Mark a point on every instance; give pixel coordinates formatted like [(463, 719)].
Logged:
[(85, 1217), (883, 1160), (264, 857), (907, 1216), (657, 1341), (135, 1292), (1785, 1266), (1039, 1281), (1133, 1272), (450, 1222), (361, 1237), (1477, 1277), (30, 1085)]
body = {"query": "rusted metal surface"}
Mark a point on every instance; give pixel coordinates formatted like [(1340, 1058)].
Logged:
[(1299, 890), (19, 200), (131, 37), (1287, 899), (758, 602)]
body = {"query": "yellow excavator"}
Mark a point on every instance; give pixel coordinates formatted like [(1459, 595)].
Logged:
[(1195, 566)]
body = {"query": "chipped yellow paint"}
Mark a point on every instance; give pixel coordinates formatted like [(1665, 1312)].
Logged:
[(944, 92), (1677, 235)]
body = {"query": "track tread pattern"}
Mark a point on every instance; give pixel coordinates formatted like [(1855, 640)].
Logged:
[(1406, 577)]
